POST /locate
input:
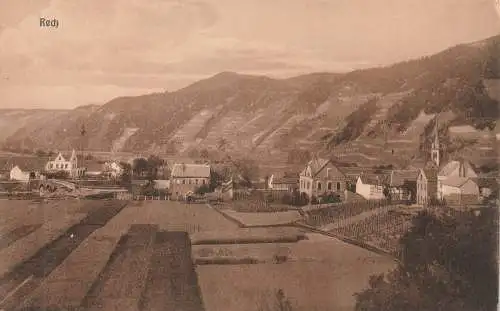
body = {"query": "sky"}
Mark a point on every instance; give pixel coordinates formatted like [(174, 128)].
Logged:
[(105, 49)]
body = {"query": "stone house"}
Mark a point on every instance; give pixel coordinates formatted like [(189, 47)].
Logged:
[(322, 176), (186, 178)]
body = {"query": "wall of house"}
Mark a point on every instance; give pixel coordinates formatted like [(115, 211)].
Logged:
[(180, 186), (370, 192), (305, 185), (17, 174), (470, 187)]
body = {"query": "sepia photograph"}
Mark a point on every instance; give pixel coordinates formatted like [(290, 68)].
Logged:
[(249, 155)]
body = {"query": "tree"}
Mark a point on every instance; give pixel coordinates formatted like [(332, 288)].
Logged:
[(449, 262), (387, 192), (216, 180), (126, 176), (140, 167), (153, 165), (247, 170), (204, 153), (222, 144), (40, 153)]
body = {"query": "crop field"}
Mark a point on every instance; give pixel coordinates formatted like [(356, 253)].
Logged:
[(152, 255)]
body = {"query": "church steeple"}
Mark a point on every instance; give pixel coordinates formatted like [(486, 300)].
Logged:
[(435, 154)]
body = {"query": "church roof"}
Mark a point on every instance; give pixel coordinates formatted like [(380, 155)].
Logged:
[(465, 168)]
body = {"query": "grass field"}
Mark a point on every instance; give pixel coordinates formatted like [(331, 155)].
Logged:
[(74, 249)]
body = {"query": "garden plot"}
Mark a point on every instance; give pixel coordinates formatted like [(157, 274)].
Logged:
[(249, 236), (332, 270), (241, 253), (263, 219)]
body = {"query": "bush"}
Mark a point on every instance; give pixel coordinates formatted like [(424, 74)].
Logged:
[(202, 189)]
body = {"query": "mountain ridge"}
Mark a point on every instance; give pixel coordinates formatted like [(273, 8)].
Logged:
[(272, 117)]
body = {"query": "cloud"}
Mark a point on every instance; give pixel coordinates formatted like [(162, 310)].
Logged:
[(109, 47)]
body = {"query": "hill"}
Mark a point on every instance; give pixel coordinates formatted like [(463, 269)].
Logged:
[(359, 115)]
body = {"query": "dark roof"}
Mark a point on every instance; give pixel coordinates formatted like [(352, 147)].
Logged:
[(430, 173), (286, 178), (374, 179), (399, 177)]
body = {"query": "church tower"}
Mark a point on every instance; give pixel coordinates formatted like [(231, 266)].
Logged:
[(435, 155)]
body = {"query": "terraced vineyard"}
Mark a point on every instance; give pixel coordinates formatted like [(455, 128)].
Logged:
[(382, 230)]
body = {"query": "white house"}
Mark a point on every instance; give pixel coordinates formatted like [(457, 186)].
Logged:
[(460, 190), (370, 186), (453, 169), (24, 169), (61, 164), (16, 173)]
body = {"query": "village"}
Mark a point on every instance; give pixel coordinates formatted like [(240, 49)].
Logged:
[(435, 182), (230, 219)]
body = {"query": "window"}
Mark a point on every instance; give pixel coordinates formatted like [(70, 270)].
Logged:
[(189, 181), (66, 165), (338, 186), (51, 165), (203, 181), (57, 165), (330, 186), (196, 181), (308, 185), (183, 181), (319, 186), (328, 172)]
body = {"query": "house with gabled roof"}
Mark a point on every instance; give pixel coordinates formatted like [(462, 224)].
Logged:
[(68, 164), (427, 186), (371, 186), (25, 169), (459, 190), (283, 181), (186, 178), (454, 171), (322, 176)]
